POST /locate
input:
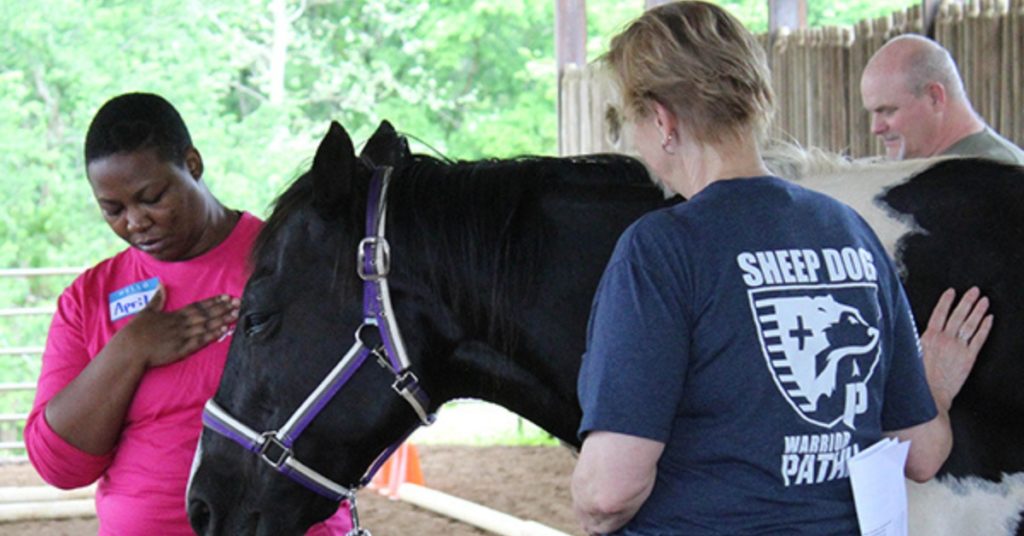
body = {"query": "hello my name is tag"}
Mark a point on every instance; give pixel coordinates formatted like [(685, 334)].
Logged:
[(131, 299)]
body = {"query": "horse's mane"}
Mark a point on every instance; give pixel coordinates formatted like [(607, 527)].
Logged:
[(483, 229), (477, 226), (583, 169)]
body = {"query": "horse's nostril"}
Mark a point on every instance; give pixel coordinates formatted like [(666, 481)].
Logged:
[(199, 515)]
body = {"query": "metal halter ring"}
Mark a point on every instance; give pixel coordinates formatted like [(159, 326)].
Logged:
[(273, 451)]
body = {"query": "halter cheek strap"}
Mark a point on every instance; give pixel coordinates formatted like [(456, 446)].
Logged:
[(275, 446)]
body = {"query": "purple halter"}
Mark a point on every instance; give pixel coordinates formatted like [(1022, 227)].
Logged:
[(275, 446)]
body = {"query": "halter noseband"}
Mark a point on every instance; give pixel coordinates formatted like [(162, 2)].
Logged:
[(275, 446)]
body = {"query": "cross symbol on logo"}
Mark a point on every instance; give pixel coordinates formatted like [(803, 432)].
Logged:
[(801, 333)]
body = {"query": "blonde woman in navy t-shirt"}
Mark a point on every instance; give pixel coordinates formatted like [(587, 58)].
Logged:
[(745, 344)]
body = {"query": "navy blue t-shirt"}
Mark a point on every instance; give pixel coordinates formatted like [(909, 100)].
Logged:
[(760, 331)]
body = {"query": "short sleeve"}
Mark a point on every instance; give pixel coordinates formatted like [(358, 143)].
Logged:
[(632, 375)]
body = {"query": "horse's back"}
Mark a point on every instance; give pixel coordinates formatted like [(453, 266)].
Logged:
[(957, 223)]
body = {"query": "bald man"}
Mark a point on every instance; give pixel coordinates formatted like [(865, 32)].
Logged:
[(918, 106)]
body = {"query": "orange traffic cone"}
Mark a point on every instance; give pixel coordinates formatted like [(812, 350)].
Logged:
[(403, 466)]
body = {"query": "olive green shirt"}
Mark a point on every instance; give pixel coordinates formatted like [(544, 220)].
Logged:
[(989, 144)]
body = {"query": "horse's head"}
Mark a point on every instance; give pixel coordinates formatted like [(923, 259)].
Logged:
[(495, 266), (301, 316)]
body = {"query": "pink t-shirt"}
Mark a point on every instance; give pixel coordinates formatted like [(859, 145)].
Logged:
[(142, 480)]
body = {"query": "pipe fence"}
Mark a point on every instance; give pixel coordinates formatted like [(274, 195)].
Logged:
[(20, 361)]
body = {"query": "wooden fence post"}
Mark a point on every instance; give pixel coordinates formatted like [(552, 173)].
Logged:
[(790, 14), (816, 75), (570, 49)]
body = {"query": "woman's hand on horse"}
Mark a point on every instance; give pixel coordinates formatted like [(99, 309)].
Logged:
[(952, 341), (163, 337)]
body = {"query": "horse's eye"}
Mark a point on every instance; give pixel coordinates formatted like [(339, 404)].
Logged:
[(257, 323)]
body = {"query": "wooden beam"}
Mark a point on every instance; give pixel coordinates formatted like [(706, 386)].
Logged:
[(570, 32), (929, 9), (570, 47), (790, 14)]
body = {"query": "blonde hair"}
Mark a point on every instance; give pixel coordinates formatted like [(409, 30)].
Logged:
[(697, 60)]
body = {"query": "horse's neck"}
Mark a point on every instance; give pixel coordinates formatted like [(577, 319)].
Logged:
[(489, 375), (531, 367)]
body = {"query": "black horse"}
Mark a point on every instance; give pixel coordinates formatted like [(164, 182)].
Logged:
[(494, 267)]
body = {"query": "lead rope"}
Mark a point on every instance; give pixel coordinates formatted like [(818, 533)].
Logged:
[(354, 512)]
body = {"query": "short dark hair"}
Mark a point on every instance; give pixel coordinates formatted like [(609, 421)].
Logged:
[(134, 122)]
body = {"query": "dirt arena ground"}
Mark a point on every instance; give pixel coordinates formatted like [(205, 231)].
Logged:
[(526, 482)]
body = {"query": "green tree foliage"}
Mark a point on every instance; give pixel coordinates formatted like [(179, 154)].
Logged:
[(258, 81)]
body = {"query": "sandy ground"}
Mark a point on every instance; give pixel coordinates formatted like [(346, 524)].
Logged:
[(526, 482)]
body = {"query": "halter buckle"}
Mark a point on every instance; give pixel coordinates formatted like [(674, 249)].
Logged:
[(273, 451), (404, 381), (381, 265)]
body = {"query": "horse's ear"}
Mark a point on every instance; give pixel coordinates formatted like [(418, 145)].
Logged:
[(334, 168), (386, 147)]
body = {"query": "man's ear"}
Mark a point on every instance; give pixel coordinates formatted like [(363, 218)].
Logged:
[(936, 94), (194, 163)]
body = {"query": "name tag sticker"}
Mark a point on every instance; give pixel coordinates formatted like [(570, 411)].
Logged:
[(131, 299)]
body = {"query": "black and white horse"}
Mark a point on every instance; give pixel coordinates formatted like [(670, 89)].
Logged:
[(953, 223), (475, 279)]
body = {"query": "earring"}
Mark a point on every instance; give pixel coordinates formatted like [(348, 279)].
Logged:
[(667, 145)]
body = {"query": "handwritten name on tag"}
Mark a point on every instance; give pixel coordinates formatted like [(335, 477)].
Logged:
[(131, 299)]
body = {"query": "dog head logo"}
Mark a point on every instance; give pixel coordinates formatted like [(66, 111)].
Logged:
[(821, 350)]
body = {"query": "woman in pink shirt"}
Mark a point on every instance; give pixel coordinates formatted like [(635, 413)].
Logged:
[(138, 342)]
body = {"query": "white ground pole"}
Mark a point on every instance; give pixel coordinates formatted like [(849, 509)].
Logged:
[(472, 513), (23, 503)]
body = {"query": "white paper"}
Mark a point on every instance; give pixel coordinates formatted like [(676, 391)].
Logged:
[(879, 488)]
